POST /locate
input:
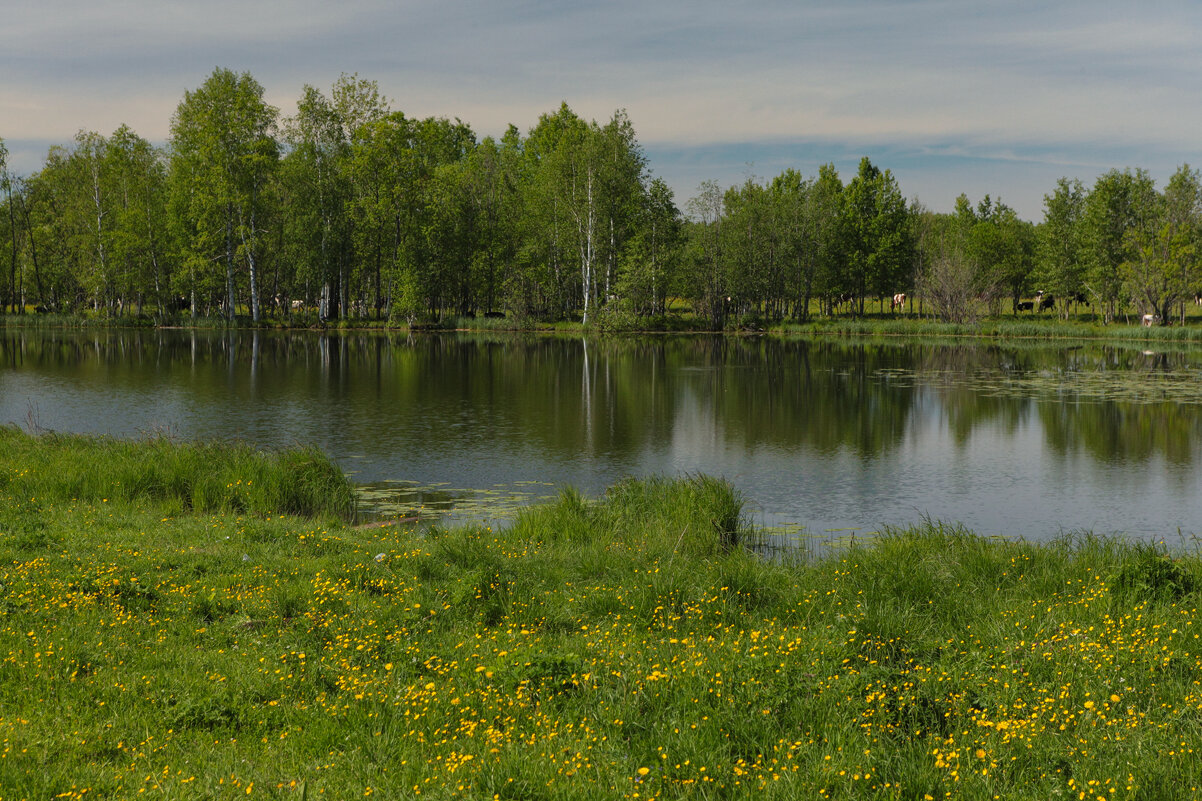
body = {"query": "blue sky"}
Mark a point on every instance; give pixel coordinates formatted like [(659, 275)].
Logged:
[(952, 96)]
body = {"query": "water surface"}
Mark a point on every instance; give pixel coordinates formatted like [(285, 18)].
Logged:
[(831, 434)]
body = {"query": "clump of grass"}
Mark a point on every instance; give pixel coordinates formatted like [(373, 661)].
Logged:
[(695, 515), (198, 477), (1150, 574)]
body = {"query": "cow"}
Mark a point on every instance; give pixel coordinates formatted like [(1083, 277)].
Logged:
[(898, 300), (1047, 302), (1024, 305), (1150, 320), (297, 305)]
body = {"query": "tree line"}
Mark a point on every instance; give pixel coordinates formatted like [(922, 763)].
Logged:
[(351, 209)]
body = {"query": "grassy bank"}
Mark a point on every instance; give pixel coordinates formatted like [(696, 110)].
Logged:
[(1006, 326), (629, 647), (171, 476)]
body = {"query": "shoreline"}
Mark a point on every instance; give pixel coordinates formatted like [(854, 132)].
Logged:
[(998, 328)]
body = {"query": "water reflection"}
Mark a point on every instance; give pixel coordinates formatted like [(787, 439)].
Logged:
[(829, 433)]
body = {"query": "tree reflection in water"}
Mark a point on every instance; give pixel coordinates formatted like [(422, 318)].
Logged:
[(824, 431)]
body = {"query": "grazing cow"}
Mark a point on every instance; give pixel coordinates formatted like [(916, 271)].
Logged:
[(1081, 297), (1150, 320), (297, 305), (1046, 302), (898, 300), (1025, 305)]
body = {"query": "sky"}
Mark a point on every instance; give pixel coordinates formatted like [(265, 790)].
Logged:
[(952, 96)]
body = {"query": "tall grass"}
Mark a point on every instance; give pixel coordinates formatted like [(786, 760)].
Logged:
[(697, 516), (201, 477)]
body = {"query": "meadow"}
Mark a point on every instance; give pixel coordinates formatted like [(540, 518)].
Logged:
[(208, 621)]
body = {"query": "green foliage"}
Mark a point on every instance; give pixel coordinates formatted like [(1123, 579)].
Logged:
[(1151, 574), (352, 213), (224, 155), (1060, 265)]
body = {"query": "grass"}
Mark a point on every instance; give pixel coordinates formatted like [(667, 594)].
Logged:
[(612, 319), (1006, 327), (174, 477), (623, 647)]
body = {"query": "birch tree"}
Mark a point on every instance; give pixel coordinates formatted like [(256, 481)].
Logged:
[(1161, 268), (6, 184), (223, 153), (1060, 266)]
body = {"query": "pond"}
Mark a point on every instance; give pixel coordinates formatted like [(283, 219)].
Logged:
[(835, 436)]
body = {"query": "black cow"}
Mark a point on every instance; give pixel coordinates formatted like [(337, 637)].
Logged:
[(1024, 305)]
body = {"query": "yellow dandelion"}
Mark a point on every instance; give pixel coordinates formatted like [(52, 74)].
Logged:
[(644, 771)]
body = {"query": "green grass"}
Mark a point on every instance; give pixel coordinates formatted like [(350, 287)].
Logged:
[(622, 647), (1007, 326), (174, 476)]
